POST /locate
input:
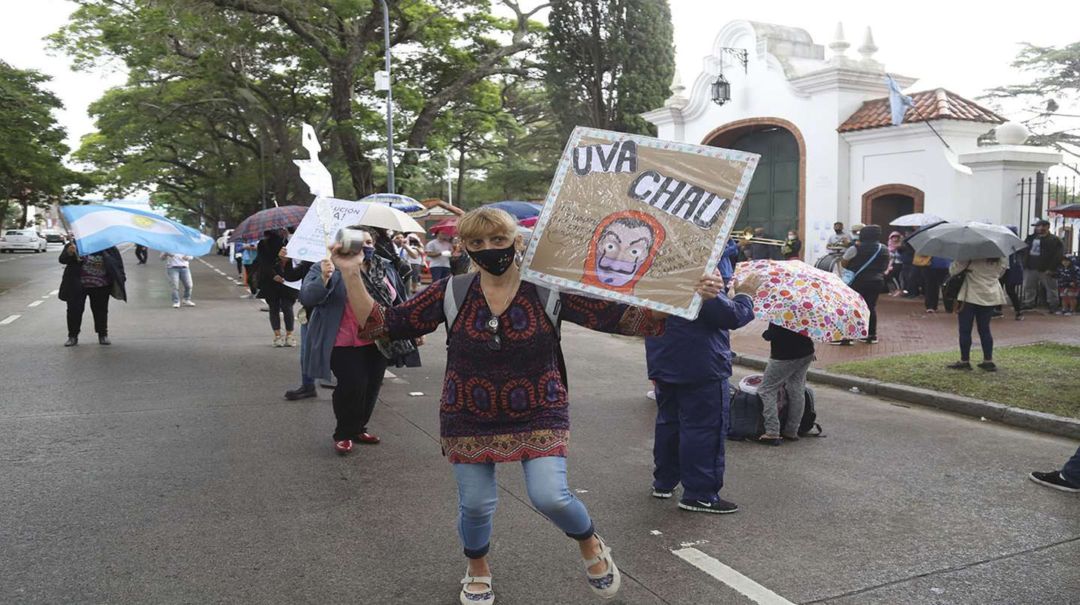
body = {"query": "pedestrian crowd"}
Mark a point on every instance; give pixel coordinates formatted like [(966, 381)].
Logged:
[(505, 395)]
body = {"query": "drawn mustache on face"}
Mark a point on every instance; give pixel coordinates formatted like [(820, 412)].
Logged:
[(618, 266)]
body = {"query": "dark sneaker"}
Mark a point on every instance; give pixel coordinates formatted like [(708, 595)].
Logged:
[(1054, 480), (71, 341), (871, 341), (989, 366), (663, 494), (104, 340), (305, 391), (960, 365), (841, 343), (720, 507)]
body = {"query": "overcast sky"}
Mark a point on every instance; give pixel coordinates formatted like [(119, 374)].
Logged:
[(966, 47)]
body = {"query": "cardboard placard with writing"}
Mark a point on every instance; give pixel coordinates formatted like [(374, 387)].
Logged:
[(636, 219)]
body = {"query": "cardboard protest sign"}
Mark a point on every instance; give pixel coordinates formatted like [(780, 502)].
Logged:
[(637, 220)]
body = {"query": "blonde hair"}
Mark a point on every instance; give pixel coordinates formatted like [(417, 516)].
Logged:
[(483, 222)]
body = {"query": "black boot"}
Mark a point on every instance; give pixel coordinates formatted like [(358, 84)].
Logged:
[(71, 341), (303, 392), (103, 340)]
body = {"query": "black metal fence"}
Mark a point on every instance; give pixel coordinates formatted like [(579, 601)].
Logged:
[(1038, 195)]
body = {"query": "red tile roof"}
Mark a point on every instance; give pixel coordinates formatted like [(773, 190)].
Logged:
[(938, 104)]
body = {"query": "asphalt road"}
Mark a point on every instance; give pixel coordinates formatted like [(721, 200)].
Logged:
[(168, 469)]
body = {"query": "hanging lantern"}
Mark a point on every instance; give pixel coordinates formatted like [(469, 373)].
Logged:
[(721, 90)]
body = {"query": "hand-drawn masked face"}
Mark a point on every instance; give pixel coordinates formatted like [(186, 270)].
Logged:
[(623, 248)]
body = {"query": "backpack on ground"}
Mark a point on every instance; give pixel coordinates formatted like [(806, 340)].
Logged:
[(457, 288), (746, 420)]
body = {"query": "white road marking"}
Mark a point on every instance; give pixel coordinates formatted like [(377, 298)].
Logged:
[(744, 585), (35, 303), (10, 319), (53, 293), (389, 374)]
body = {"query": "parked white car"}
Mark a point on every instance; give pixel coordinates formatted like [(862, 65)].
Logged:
[(223, 242), (22, 239)]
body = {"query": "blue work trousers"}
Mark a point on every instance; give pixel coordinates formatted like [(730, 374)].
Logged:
[(689, 448)]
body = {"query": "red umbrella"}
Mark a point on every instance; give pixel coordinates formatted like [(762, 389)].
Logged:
[(1068, 210), (529, 222), (449, 225), (271, 219)]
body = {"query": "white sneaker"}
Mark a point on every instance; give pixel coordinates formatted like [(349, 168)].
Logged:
[(176, 305), (651, 395), (279, 341), (189, 303), (290, 340)]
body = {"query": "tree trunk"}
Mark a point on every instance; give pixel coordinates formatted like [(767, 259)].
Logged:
[(25, 214), (341, 88)]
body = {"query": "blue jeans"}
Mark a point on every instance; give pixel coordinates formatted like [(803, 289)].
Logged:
[(980, 315), (178, 275), (1071, 470), (438, 273), (545, 480), (691, 421)]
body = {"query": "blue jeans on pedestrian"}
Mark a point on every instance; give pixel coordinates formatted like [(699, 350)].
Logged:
[(980, 315), (177, 276), (1071, 470), (545, 481), (438, 273), (691, 420)]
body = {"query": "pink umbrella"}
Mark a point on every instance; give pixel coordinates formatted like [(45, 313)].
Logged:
[(806, 300), (529, 222)]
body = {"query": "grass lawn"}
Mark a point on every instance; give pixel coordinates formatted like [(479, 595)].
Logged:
[(1043, 377)]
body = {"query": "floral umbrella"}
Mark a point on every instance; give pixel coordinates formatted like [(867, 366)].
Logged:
[(806, 300)]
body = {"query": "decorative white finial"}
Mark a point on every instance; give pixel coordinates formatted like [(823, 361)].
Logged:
[(1012, 133), (678, 98), (868, 47), (839, 45)]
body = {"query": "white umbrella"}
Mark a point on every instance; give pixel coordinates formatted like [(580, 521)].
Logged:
[(918, 219), (385, 217)]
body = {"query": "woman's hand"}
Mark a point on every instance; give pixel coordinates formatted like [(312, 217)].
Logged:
[(279, 279), (327, 269), (283, 254), (709, 286), (346, 263)]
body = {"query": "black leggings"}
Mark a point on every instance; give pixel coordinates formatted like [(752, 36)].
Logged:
[(932, 280), (359, 372), (284, 306), (869, 292), (979, 315), (1013, 291)]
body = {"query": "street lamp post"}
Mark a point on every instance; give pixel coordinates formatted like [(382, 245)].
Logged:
[(389, 102)]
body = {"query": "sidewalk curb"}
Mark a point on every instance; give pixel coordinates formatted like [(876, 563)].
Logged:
[(968, 406)]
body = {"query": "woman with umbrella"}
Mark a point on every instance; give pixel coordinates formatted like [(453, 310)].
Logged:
[(980, 252), (978, 296), (272, 288)]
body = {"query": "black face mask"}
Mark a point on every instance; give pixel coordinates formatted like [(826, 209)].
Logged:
[(494, 260)]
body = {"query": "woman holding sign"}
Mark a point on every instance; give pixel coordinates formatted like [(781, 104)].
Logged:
[(504, 394)]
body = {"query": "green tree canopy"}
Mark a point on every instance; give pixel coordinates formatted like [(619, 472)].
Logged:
[(32, 148), (609, 61)]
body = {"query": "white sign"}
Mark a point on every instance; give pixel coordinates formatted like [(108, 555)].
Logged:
[(312, 171), (221, 224), (316, 232)]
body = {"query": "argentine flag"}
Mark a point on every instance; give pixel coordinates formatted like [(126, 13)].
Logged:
[(98, 227), (898, 101)]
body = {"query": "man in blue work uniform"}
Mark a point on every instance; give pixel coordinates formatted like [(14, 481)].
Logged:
[(690, 364)]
